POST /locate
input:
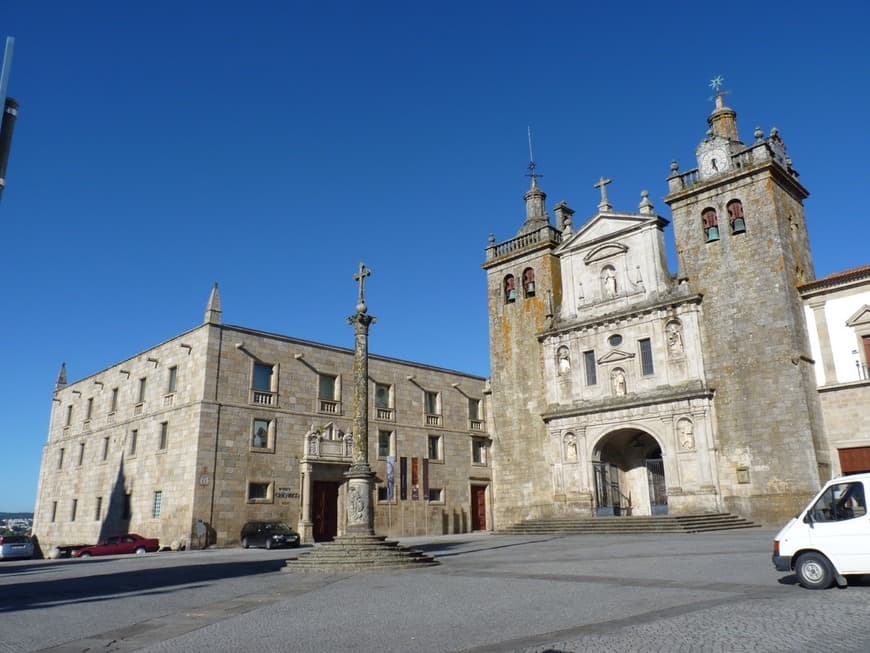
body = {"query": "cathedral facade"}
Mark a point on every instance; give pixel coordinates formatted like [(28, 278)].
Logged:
[(624, 388)]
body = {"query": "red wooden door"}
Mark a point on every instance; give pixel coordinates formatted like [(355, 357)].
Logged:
[(854, 460), (324, 508), (478, 507)]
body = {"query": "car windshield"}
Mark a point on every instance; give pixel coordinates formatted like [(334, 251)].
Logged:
[(277, 527)]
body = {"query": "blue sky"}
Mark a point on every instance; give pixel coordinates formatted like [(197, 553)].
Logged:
[(271, 146)]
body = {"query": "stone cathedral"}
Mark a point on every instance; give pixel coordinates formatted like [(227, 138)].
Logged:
[(620, 387)]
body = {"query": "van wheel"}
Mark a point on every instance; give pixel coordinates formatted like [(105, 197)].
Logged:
[(814, 571)]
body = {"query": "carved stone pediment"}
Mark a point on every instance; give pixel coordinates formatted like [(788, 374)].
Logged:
[(615, 356), (860, 318)]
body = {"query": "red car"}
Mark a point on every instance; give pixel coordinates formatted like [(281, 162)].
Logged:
[(129, 543)]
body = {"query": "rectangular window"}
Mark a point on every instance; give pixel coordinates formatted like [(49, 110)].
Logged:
[(105, 448), (383, 395), (99, 509), (134, 435), (328, 393), (69, 415), (478, 451), (53, 510), (589, 364), (89, 408), (60, 458), (73, 509), (259, 491), (434, 449), (113, 406), (127, 508), (142, 384), (157, 505), (646, 356), (475, 416), (385, 444), (173, 380), (383, 494), (262, 377), (260, 435), (164, 435), (81, 453), (436, 495), (433, 403)]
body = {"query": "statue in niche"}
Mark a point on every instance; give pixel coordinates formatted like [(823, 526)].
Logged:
[(686, 434), (609, 280), (617, 380), (564, 360), (570, 447), (675, 338)]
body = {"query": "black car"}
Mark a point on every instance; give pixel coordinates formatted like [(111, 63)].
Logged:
[(270, 534)]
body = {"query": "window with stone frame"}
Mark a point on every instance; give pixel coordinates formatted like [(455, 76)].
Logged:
[(113, 403), (81, 453), (157, 504), (98, 509), (436, 495), (263, 384), (510, 289), (735, 216), (259, 492), (383, 401), (69, 415), (172, 383), (134, 437), (432, 407), (475, 414), (60, 454), (528, 282), (164, 436), (53, 511), (329, 393), (646, 356), (435, 448), (262, 434), (89, 408), (74, 508), (590, 368), (143, 383), (105, 454), (479, 448), (710, 222), (386, 443)]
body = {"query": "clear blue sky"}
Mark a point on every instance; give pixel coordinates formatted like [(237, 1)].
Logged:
[(271, 146)]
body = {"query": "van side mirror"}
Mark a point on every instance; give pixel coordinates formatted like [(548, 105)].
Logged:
[(808, 518)]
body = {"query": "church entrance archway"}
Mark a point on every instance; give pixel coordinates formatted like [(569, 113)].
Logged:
[(628, 473)]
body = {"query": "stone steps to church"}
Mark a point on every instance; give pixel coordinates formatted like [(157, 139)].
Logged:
[(701, 523), (350, 554)]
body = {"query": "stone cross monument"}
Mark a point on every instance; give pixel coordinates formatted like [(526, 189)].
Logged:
[(360, 478)]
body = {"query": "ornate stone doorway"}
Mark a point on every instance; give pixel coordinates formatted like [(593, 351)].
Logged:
[(628, 475)]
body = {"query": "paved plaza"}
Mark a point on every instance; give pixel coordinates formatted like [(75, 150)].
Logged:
[(707, 592)]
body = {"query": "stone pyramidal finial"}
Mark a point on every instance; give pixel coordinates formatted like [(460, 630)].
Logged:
[(213, 310), (60, 384)]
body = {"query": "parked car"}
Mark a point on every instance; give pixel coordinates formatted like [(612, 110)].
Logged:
[(129, 543), (270, 534), (830, 538), (15, 546)]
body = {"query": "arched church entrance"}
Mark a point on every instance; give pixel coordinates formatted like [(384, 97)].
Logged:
[(629, 475)]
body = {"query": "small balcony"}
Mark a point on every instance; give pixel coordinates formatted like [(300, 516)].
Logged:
[(476, 425), (263, 398), (384, 414), (433, 420), (329, 406)]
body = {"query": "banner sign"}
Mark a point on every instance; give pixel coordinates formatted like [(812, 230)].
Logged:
[(391, 477), (415, 479), (426, 479), (403, 478)]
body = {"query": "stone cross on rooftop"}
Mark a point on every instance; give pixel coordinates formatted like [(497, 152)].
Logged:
[(361, 277), (602, 184)]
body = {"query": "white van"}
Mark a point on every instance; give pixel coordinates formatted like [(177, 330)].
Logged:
[(830, 538)]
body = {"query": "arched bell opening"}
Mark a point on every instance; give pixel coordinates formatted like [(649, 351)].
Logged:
[(628, 474)]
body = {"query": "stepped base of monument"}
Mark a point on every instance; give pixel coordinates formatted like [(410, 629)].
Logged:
[(354, 553)]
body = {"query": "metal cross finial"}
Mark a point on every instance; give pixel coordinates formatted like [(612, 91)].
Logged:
[(604, 205), (361, 277)]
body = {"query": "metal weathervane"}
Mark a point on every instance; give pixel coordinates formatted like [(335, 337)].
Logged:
[(716, 83)]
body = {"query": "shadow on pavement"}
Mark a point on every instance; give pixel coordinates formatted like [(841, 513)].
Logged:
[(36, 594)]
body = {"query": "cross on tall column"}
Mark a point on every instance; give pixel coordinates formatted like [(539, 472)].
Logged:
[(361, 277), (602, 184)]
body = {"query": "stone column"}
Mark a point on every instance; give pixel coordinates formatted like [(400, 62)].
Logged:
[(360, 478), (306, 526)]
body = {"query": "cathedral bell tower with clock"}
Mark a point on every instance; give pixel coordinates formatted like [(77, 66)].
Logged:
[(742, 244)]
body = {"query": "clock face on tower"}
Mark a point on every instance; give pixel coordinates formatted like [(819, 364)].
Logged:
[(714, 161)]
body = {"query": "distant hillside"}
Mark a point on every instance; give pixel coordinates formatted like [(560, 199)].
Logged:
[(16, 515)]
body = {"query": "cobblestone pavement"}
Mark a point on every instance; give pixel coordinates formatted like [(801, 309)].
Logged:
[(712, 592)]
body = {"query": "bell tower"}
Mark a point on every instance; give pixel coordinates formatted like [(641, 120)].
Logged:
[(523, 285), (742, 244)]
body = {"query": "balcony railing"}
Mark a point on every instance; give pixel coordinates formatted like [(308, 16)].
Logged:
[(546, 234), (476, 425), (262, 397), (168, 400), (329, 406), (139, 408), (385, 414), (433, 420)]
